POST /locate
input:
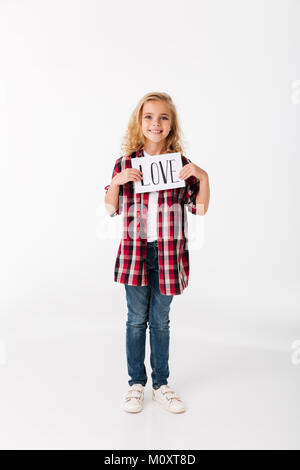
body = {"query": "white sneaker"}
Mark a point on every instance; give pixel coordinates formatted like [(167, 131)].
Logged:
[(168, 399), (134, 399)]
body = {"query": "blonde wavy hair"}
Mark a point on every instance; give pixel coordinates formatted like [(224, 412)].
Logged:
[(134, 139)]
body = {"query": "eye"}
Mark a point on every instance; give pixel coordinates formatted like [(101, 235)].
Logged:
[(163, 117)]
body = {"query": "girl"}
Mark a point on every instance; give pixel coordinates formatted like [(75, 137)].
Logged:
[(153, 258)]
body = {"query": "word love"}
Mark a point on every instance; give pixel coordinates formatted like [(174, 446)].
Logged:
[(159, 172), (157, 169)]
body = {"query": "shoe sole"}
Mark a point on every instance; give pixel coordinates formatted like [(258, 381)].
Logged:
[(167, 409), (133, 411)]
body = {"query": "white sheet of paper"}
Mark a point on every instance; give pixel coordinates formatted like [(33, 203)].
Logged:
[(159, 172)]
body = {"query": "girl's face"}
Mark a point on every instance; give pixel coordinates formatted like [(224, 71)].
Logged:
[(156, 116)]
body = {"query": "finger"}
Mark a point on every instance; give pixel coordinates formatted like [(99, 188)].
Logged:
[(136, 174), (186, 172)]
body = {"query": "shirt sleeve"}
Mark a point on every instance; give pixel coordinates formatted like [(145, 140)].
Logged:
[(117, 169), (191, 192)]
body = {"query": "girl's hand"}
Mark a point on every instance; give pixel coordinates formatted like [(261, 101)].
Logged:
[(190, 169), (130, 174)]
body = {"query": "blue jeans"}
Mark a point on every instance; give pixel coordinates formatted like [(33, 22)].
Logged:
[(147, 304)]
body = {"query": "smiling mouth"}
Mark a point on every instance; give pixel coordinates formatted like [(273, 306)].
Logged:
[(156, 132)]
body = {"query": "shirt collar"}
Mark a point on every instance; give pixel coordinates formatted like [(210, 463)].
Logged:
[(138, 153)]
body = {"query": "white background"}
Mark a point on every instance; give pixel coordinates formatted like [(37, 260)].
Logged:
[(71, 73)]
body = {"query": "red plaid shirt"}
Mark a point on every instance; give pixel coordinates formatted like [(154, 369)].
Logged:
[(172, 226)]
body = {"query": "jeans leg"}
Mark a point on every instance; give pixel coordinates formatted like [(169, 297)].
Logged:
[(159, 327), (138, 298)]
